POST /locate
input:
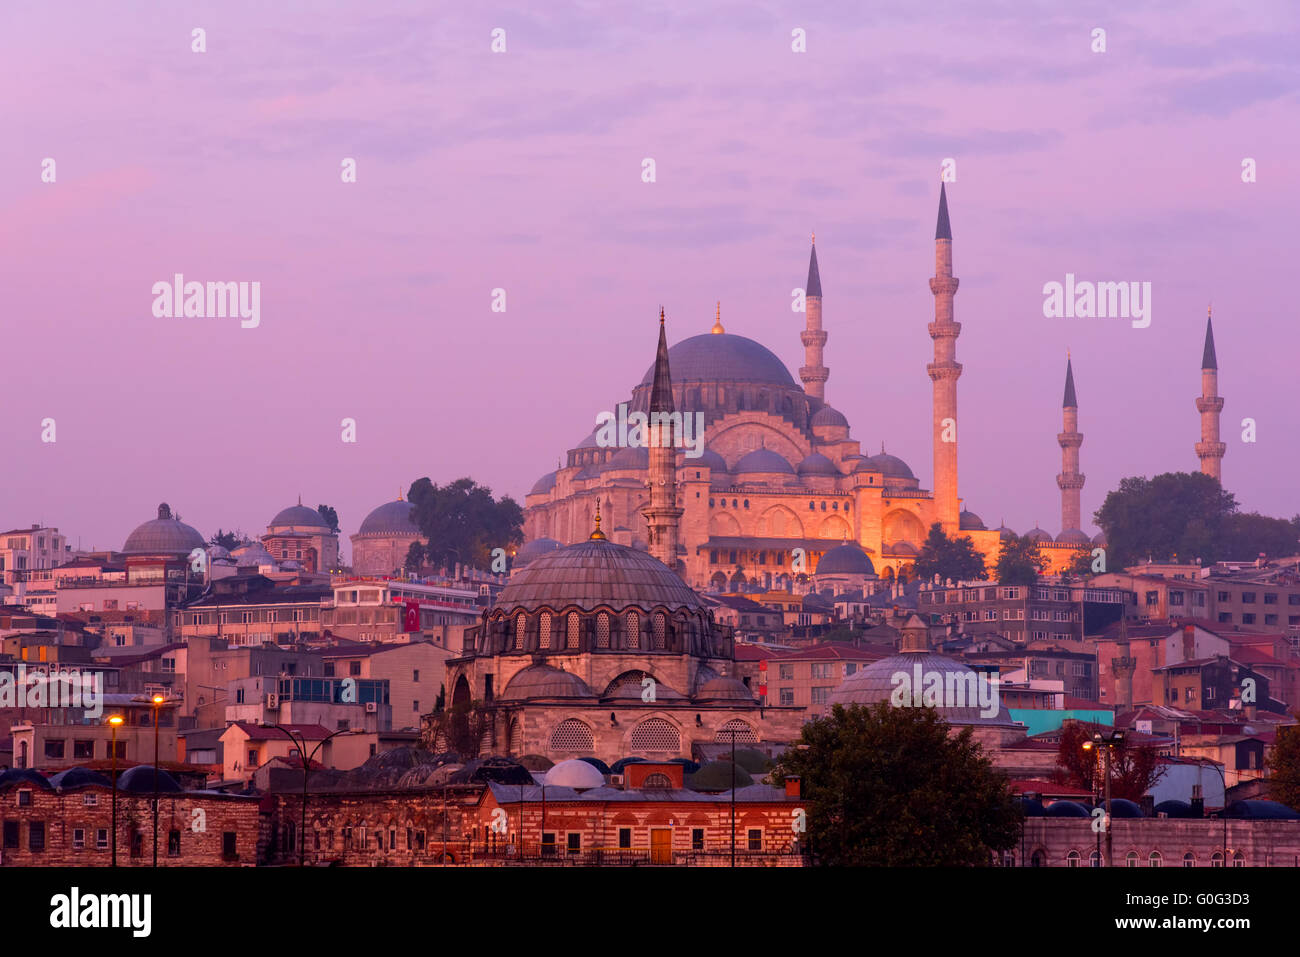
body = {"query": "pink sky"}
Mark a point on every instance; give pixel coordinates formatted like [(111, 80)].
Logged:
[(522, 171)]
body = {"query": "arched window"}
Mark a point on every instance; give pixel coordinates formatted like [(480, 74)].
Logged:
[(1039, 859), (633, 630), (544, 630), (574, 625), (1154, 859), (521, 625), (661, 631), (572, 735), (657, 780), (654, 735), (1132, 859), (744, 732), (1216, 859), (602, 630), (1189, 859), (746, 503), (1094, 858), (516, 736), (1238, 859), (1072, 859)]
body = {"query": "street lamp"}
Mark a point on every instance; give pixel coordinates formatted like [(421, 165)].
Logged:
[(306, 770), (113, 722), (157, 711), (1110, 741)]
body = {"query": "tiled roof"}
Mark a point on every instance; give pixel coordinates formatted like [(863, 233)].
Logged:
[(310, 732)]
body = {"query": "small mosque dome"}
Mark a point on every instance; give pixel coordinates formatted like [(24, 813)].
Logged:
[(846, 559), (708, 459), (391, 518), (217, 553), (902, 550), (534, 549), (763, 460), (892, 466), (574, 773), (139, 780), (163, 535), (1005, 533), (543, 681), (1067, 809), (79, 778), (252, 555), (1072, 536), (543, 484), (1099, 539), (720, 687), (826, 416), (632, 457), (1039, 535), (298, 515), (817, 464), (24, 776), (969, 521)]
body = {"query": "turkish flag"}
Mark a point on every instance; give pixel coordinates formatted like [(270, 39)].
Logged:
[(411, 620)]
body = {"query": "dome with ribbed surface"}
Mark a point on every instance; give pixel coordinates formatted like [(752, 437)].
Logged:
[(826, 416), (543, 681), (299, 515), (391, 518), (632, 457), (1073, 536), (876, 683), (892, 466), (708, 459), (817, 464), (723, 358), (969, 521), (1005, 533), (1039, 535), (846, 559), (252, 555), (763, 460), (163, 535), (596, 573)]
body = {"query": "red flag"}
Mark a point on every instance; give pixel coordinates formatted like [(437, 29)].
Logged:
[(411, 621)]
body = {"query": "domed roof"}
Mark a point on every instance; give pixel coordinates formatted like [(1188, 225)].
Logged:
[(1123, 807), (574, 773), (534, 550), (719, 687), (718, 776), (817, 464), (391, 518), (79, 778), (826, 416), (709, 459), (892, 466), (594, 573), (1173, 808), (1260, 809), (862, 463), (875, 683), (543, 681), (723, 358), (543, 484), (252, 555), (163, 535), (298, 515), (589, 471), (1039, 535), (969, 521), (1072, 536), (763, 460), (846, 559), (1099, 538), (632, 457), (1067, 809), (24, 776), (902, 549), (218, 553), (139, 780), (1005, 533)]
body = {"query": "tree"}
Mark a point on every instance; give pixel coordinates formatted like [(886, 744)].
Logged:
[(1176, 515), (892, 787), (1133, 770), (462, 522), (414, 557), (954, 559), (330, 516), (1283, 764), (1019, 561), (227, 540), (1244, 535)]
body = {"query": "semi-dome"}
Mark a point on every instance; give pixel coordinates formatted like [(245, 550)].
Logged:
[(593, 574), (1072, 536), (817, 464), (163, 535), (721, 688), (969, 521), (846, 559), (1038, 535), (543, 681), (298, 515), (763, 460), (574, 773), (902, 550), (543, 484), (391, 518), (534, 549), (892, 466), (826, 416), (724, 358)]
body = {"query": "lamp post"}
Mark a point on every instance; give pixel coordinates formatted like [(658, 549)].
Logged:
[(1223, 812), (306, 770), (113, 722), (1110, 741), (157, 712)]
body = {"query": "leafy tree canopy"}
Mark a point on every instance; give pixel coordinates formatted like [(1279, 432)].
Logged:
[(949, 558), (1133, 770), (462, 522), (228, 540), (1019, 561), (330, 516)]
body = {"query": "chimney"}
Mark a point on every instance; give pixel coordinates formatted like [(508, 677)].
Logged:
[(1198, 802), (1189, 642), (792, 786), (1148, 804)]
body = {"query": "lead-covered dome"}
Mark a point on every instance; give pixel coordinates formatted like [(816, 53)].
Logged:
[(391, 518), (876, 683), (763, 460), (1073, 536), (846, 559), (892, 466), (543, 681), (299, 515), (826, 416), (574, 773), (818, 464), (543, 484), (163, 535), (969, 521), (596, 573), (722, 357)]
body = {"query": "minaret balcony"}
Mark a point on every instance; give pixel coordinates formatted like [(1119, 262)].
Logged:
[(1209, 403)]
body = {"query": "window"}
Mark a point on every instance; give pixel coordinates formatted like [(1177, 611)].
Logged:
[(787, 696), (850, 668), (1189, 859), (573, 626), (1248, 618), (1270, 598), (661, 631), (786, 672), (415, 676), (602, 630), (1072, 859), (572, 735), (548, 844), (11, 835), (78, 839), (697, 839), (1153, 599), (1248, 598), (821, 694), (574, 843), (543, 632), (54, 747), (821, 669), (1132, 859), (25, 798), (654, 735), (89, 799), (624, 837), (101, 839), (521, 624), (173, 843), (633, 630), (1154, 859), (228, 851), (36, 836), (755, 839)]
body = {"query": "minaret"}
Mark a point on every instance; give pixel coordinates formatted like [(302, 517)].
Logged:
[(1210, 450), (661, 512), (1070, 438), (814, 374), (944, 371)]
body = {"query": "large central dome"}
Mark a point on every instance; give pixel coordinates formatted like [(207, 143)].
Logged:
[(596, 573), (720, 357)]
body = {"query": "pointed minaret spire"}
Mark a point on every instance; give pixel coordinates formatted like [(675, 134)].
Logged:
[(814, 372), (944, 372), (1071, 480), (1210, 450), (661, 511), (717, 329)]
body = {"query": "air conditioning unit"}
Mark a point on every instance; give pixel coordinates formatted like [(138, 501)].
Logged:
[(372, 707), (272, 702)]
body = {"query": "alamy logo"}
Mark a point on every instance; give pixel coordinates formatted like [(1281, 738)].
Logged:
[(1098, 300), (213, 300), (944, 689), (658, 429), (74, 910), (54, 688)]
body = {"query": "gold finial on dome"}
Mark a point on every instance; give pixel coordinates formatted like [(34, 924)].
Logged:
[(661, 315), (717, 321), (598, 535)]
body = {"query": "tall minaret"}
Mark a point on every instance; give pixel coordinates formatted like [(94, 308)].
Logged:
[(661, 512), (813, 337), (1070, 438), (944, 371), (1210, 450)]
